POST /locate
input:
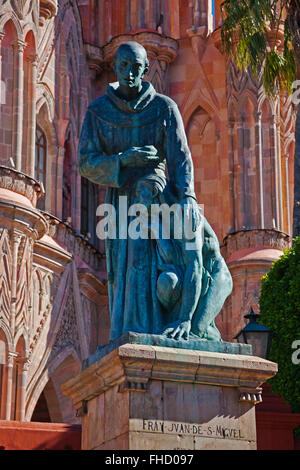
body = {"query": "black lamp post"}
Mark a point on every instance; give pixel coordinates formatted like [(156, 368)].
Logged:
[(257, 335)]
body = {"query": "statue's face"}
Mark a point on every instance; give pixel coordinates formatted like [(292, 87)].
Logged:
[(130, 67)]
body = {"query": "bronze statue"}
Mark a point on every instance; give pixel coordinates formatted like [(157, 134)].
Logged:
[(157, 285)]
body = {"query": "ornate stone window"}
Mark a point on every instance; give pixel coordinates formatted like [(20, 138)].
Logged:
[(67, 185), (88, 210), (40, 161)]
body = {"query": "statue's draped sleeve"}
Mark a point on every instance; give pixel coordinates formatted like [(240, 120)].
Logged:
[(179, 160), (93, 163)]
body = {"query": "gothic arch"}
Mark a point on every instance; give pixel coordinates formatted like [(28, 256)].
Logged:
[(71, 178), (64, 6), (59, 370), (36, 392), (49, 398), (246, 98), (232, 107), (22, 342), (7, 334), (194, 102), (8, 93), (267, 107), (11, 17), (44, 96), (273, 104), (44, 121), (30, 27), (41, 352), (204, 144)]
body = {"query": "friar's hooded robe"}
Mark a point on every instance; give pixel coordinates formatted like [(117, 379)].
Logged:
[(112, 125)]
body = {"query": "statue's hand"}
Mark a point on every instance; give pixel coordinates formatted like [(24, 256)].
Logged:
[(178, 330), (191, 212), (139, 156)]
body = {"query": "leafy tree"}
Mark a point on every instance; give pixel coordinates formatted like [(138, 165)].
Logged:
[(280, 311), (251, 35)]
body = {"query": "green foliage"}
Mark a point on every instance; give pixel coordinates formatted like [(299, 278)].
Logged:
[(246, 39), (280, 311)]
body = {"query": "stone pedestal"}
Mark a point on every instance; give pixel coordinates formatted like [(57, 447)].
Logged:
[(145, 397)]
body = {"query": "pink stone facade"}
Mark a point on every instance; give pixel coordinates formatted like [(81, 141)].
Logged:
[(55, 57)]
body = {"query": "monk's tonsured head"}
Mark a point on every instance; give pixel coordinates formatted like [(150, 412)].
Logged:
[(131, 64)]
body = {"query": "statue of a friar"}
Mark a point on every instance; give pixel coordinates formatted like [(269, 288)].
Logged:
[(167, 285)]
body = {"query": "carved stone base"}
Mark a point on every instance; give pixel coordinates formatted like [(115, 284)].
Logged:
[(151, 398)]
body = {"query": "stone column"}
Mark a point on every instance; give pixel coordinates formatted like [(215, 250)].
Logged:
[(59, 180), (239, 176), (76, 217), (288, 212), (23, 366), (258, 150), (231, 125), (33, 62), (1, 83), (18, 103), (9, 384), (280, 192), (276, 169)]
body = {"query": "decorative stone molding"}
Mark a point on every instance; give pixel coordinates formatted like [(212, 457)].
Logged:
[(94, 55), (22, 7), (19, 46), (24, 363), (249, 395), (237, 81), (23, 219), (133, 386), (217, 39), (256, 238), (73, 242), (20, 183), (11, 358), (68, 334), (48, 9), (132, 364), (157, 46), (51, 256), (91, 286)]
